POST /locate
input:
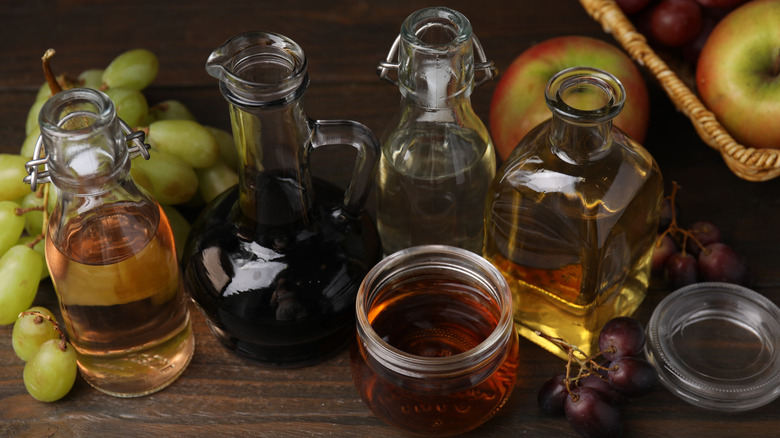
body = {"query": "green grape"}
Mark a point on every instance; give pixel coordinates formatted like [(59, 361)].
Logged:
[(215, 179), (51, 371), (166, 177), (185, 139), (11, 225), (28, 147), (12, 173), (131, 105), (180, 227), (227, 147), (168, 110), (134, 69), (92, 78), (32, 116), (33, 219), (20, 274), (44, 92), (40, 246), (30, 331)]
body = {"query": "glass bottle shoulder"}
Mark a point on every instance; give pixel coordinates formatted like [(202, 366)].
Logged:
[(434, 149), (600, 186)]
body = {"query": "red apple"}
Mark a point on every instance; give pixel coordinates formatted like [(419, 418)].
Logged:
[(738, 73), (518, 103)]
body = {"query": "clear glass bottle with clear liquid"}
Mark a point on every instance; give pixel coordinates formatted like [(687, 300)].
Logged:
[(275, 262), (110, 251), (573, 215), (437, 157)]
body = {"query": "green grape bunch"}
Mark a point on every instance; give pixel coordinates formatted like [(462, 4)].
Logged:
[(51, 363), (191, 164)]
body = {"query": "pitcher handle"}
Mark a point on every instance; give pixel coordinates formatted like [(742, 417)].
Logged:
[(357, 135)]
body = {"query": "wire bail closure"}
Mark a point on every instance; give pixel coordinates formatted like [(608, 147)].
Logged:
[(391, 62), (35, 176)]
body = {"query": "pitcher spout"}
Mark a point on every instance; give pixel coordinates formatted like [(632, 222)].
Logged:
[(259, 68)]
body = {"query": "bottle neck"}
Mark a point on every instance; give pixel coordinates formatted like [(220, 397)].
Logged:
[(273, 143), (436, 58), (86, 148), (578, 143), (583, 101)]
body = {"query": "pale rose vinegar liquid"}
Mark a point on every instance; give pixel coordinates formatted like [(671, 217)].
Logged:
[(121, 300)]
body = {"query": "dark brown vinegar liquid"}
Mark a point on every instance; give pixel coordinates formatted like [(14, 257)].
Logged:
[(281, 295), (433, 318)]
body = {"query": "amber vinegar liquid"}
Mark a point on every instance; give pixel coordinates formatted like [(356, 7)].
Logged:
[(121, 301), (433, 318)]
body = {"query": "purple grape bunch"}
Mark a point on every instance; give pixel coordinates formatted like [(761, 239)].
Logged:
[(590, 399), (686, 256)]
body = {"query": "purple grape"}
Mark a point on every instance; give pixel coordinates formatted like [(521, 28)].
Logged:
[(626, 335), (602, 386), (591, 415), (662, 250), (719, 262), (705, 232), (553, 394), (632, 376), (681, 270)]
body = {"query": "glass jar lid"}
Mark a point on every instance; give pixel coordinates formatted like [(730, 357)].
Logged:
[(717, 346)]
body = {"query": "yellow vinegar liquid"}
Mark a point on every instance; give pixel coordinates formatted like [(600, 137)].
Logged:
[(573, 262), (118, 283)]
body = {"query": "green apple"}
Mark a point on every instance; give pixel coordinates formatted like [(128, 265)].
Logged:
[(738, 73), (518, 103)]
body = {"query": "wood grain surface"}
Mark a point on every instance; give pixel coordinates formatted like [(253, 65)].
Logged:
[(223, 395)]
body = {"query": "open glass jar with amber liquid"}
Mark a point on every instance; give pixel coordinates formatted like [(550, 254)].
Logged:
[(110, 251), (436, 352), (572, 215)]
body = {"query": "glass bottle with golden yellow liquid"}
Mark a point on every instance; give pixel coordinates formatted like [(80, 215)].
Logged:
[(572, 215), (111, 254)]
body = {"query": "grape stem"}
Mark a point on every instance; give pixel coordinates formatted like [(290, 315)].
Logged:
[(674, 229), (587, 365), (39, 317), (54, 86)]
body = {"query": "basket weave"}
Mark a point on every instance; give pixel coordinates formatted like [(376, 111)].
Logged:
[(748, 163)]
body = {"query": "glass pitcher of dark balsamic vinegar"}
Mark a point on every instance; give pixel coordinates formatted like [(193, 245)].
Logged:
[(275, 262)]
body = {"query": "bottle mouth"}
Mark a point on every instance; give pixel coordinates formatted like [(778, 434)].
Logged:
[(436, 28), (455, 265), (84, 143), (259, 68), (584, 94), (436, 56), (94, 109)]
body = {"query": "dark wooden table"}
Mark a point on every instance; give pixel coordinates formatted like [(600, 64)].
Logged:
[(221, 394)]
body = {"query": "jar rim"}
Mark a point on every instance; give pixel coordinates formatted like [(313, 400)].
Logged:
[(610, 89), (450, 258)]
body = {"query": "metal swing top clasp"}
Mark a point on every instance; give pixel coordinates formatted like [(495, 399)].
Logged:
[(35, 176), (484, 65)]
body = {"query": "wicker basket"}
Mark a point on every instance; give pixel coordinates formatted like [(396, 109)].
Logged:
[(748, 163)]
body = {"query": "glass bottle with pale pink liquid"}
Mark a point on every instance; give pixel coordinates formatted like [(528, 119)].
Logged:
[(110, 252)]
